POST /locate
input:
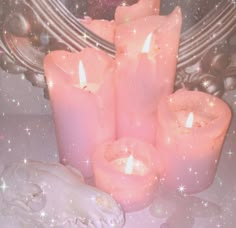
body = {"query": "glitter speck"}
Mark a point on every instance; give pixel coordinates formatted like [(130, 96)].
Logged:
[(50, 84), (181, 188), (42, 214), (230, 153), (3, 186)]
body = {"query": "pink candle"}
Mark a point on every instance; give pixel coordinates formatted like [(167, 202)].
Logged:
[(130, 37), (127, 170), (82, 98), (125, 14), (190, 133), (143, 78)]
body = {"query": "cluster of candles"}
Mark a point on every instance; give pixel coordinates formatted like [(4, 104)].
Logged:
[(119, 121)]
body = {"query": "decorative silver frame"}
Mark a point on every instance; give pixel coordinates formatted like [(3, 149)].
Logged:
[(207, 55)]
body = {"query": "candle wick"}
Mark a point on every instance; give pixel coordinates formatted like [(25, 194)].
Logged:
[(190, 119), (129, 165)]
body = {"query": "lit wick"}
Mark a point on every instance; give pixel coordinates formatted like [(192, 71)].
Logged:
[(147, 44), (129, 165), (189, 121), (82, 76)]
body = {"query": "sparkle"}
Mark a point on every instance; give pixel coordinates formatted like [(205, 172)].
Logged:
[(3, 186), (27, 130), (205, 204), (211, 104), (85, 36), (230, 153), (50, 84), (181, 188), (52, 222), (25, 161), (42, 214), (87, 162)]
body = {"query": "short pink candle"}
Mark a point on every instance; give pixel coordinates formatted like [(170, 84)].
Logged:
[(146, 67), (127, 170), (190, 132), (82, 98)]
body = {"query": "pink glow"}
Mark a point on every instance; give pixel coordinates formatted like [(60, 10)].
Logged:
[(190, 155), (134, 190), (83, 117), (143, 78)]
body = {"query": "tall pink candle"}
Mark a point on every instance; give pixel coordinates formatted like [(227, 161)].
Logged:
[(190, 133), (83, 103), (143, 78), (127, 169)]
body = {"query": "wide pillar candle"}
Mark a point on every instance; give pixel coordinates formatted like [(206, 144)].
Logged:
[(190, 132), (82, 98), (127, 169), (143, 78)]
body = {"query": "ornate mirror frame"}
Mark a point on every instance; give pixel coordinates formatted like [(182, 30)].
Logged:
[(29, 29)]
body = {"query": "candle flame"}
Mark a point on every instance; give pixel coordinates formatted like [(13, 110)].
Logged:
[(82, 75), (147, 43), (129, 165), (189, 121)]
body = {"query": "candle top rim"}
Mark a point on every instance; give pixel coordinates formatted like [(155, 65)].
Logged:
[(120, 161), (216, 109), (67, 65), (100, 158)]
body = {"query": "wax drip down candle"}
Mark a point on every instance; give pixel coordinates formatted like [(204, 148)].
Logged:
[(82, 98), (145, 72), (190, 132), (128, 170)]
